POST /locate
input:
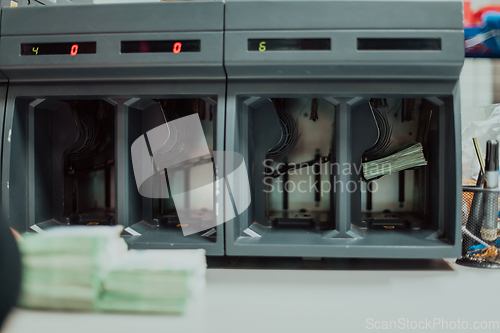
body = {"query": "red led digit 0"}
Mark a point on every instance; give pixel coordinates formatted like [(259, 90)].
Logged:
[(177, 47), (74, 50)]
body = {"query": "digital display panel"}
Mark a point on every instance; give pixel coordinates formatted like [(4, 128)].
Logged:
[(160, 46), (399, 44), (71, 49), (289, 44)]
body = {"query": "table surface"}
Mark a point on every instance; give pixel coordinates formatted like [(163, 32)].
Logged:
[(350, 299)]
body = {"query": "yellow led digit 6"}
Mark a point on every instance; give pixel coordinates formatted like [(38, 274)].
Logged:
[(262, 46), (35, 50)]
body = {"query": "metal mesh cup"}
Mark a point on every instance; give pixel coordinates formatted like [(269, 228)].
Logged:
[(480, 232)]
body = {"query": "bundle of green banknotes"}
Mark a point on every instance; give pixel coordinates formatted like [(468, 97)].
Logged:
[(411, 156), (88, 268)]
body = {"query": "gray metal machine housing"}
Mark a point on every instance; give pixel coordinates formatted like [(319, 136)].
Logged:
[(344, 79), (32, 196), (245, 85)]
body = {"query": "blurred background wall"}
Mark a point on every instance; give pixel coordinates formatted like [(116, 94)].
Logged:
[(480, 80)]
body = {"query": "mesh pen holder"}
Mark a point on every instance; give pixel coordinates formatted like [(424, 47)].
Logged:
[(480, 233)]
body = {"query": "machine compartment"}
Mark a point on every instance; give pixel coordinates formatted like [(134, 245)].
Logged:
[(156, 217), (296, 168), (323, 141), (62, 161), (404, 204), (70, 163)]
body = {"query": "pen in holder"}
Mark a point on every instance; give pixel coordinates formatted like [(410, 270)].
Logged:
[(480, 244)]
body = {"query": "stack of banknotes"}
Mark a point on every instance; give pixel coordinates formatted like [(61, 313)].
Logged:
[(154, 281), (410, 157), (63, 268), (88, 268)]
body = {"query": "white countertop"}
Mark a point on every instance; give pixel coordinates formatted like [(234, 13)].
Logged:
[(244, 300)]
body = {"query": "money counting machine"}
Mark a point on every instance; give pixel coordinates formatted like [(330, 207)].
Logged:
[(86, 83), (346, 113), (315, 88)]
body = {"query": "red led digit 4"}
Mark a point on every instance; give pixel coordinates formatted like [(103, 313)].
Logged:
[(74, 50), (177, 47)]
